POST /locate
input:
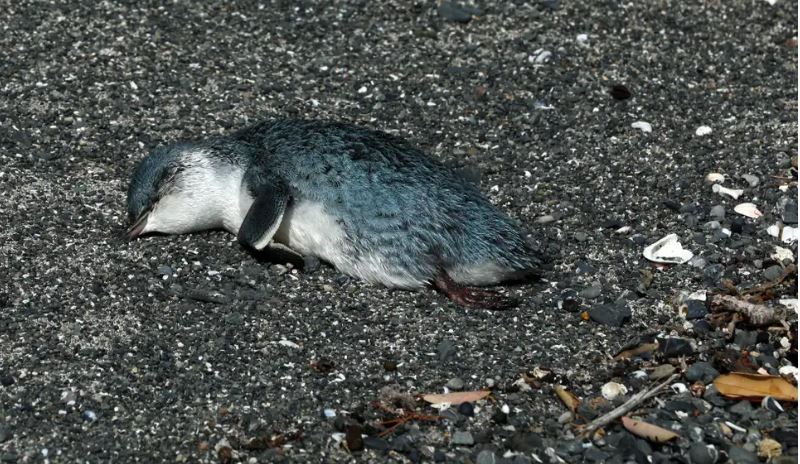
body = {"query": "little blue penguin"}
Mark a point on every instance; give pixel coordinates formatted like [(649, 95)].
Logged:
[(367, 202)]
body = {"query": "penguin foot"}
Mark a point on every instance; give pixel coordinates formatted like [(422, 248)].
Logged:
[(471, 297)]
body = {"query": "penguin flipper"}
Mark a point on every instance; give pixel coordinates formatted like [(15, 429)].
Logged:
[(264, 217)]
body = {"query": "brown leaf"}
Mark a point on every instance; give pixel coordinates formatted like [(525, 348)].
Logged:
[(650, 432), (636, 351), (568, 398), (456, 397), (738, 385)]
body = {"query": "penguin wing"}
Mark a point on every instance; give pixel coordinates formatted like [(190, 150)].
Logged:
[(265, 214)]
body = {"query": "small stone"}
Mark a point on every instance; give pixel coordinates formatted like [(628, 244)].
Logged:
[(673, 347), (717, 212), (486, 457), (545, 219), (591, 292), (455, 384), (462, 439), (790, 213), (389, 365), (353, 438), (524, 442), (751, 180), (620, 92), (466, 409), (701, 371), (165, 270), (742, 456), (445, 350), (701, 453), (745, 338), (773, 273), (595, 454), (311, 264), (662, 372), (6, 380), (702, 130), (742, 408), (611, 314), (5, 434), (454, 12), (581, 236), (695, 309), (376, 443)]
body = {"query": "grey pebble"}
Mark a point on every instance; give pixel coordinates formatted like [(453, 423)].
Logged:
[(165, 270), (790, 213), (462, 439), (455, 384), (743, 409), (742, 456), (695, 309), (5, 434), (445, 350), (701, 453), (581, 236), (486, 457), (717, 212), (702, 371), (524, 442), (750, 179), (773, 272), (591, 292)]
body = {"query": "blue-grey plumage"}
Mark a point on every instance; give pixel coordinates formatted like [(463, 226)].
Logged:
[(369, 203)]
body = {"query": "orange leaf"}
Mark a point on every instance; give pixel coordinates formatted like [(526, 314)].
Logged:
[(738, 385), (456, 397), (650, 432), (568, 398)]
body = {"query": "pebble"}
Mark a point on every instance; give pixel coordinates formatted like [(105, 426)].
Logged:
[(455, 384), (773, 273), (701, 371), (376, 443), (524, 442), (742, 456), (662, 372), (643, 126), (702, 130), (5, 434), (445, 350), (751, 180), (454, 12), (466, 409), (591, 292), (611, 314), (701, 453), (790, 213), (462, 439), (743, 409), (165, 270), (673, 347), (717, 212), (695, 309), (595, 454), (581, 236), (311, 264), (486, 457), (547, 218)]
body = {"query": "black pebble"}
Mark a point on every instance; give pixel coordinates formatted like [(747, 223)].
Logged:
[(620, 92), (611, 314), (466, 409)]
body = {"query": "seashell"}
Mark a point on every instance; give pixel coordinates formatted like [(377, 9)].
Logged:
[(787, 234), (612, 390), (749, 210), (715, 177), (702, 130), (667, 250), (733, 193), (643, 126)]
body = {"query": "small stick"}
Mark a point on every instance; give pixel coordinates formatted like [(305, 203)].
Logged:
[(756, 314), (625, 408), (787, 271)]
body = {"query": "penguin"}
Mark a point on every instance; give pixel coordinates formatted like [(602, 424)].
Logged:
[(369, 203)]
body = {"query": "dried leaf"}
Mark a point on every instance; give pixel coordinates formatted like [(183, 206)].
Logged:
[(570, 400), (456, 397), (636, 351), (650, 432), (738, 385)]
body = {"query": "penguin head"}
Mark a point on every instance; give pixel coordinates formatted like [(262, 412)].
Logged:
[(174, 190)]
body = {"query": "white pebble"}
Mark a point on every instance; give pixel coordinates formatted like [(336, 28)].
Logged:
[(643, 126), (612, 390), (133, 85), (329, 413), (582, 38), (702, 130), (715, 177), (363, 89)]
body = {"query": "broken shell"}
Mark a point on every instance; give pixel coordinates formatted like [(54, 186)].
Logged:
[(733, 193), (781, 254), (715, 177), (679, 388), (612, 390), (667, 250), (787, 234), (749, 210), (643, 126), (623, 230), (702, 130)]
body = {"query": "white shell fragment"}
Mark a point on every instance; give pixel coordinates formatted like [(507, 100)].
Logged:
[(642, 126), (749, 210), (715, 178), (702, 130), (612, 390), (787, 235), (733, 193), (667, 250)]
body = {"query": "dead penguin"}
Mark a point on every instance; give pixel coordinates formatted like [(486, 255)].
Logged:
[(367, 202)]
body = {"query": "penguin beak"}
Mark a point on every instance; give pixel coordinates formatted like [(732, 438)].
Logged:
[(136, 229)]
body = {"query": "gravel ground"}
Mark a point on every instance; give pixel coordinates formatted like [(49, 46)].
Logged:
[(186, 348)]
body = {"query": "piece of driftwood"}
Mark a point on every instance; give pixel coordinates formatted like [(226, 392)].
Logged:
[(626, 407), (756, 314)]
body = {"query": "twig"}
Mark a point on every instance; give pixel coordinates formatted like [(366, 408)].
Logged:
[(787, 271), (626, 407), (756, 314)]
